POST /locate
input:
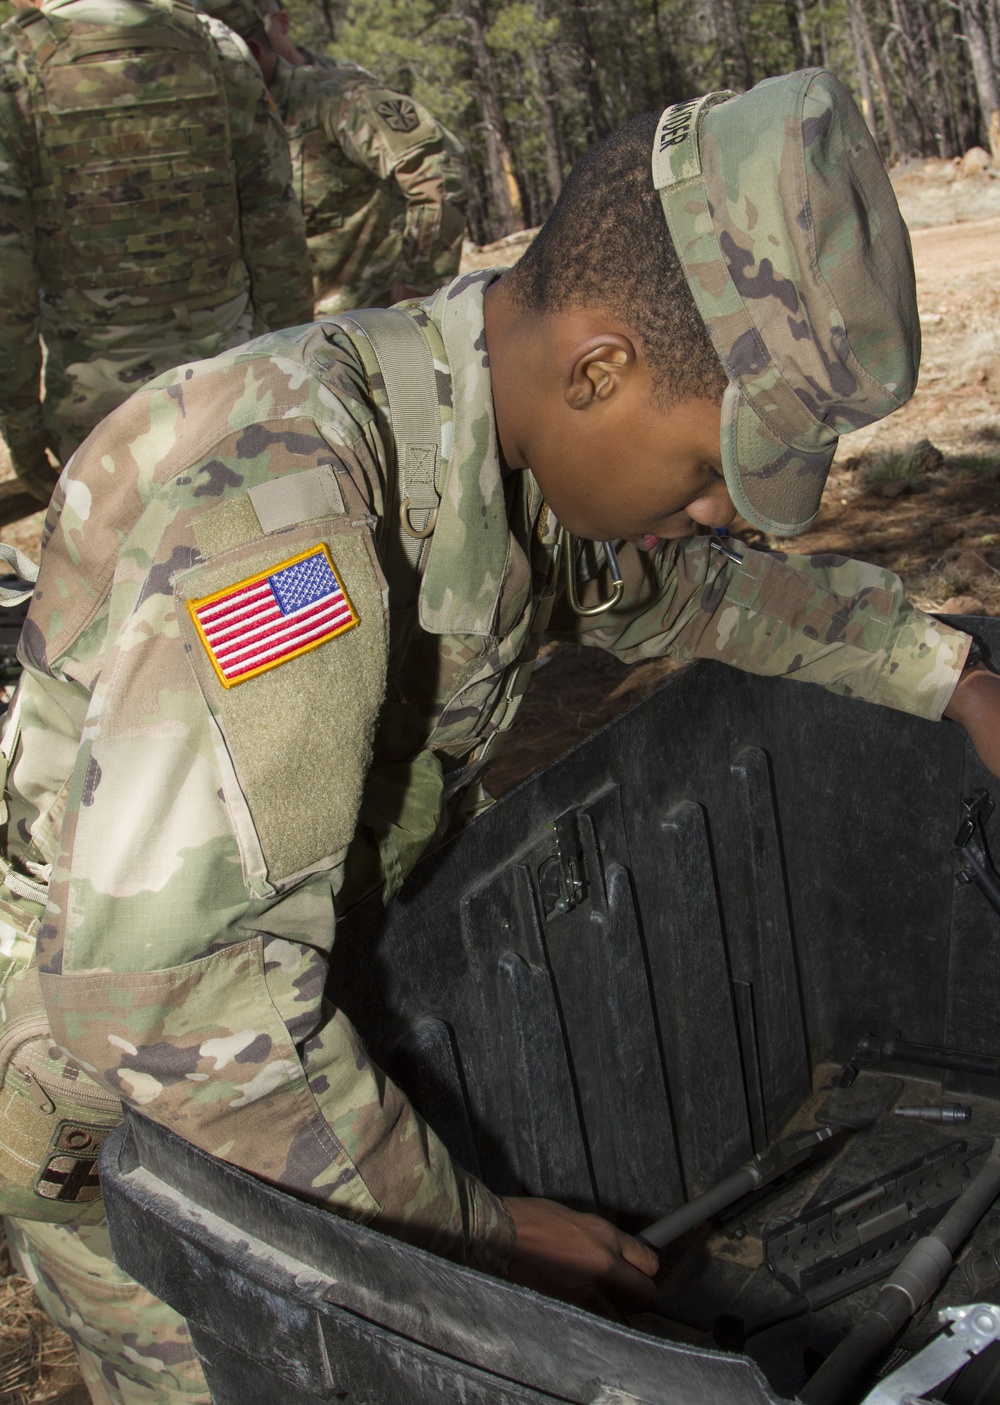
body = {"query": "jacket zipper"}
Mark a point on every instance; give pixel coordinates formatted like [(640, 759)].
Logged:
[(42, 1089)]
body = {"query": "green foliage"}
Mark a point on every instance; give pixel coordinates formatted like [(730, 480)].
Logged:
[(985, 464), (893, 466), (591, 65), (7, 11)]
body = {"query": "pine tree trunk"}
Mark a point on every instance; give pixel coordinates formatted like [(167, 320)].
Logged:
[(807, 44), (504, 193), (550, 114), (550, 126), (977, 35), (671, 84), (864, 81), (943, 98), (798, 32), (916, 81), (661, 72), (859, 18), (589, 71), (737, 68), (968, 113), (824, 47)]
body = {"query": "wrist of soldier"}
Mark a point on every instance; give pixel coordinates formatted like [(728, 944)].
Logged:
[(971, 690), (975, 705)]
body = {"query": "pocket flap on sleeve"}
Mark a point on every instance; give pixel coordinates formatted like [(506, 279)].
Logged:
[(288, 641)]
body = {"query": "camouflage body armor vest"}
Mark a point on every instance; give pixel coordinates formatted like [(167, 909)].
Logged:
[(135, 202)]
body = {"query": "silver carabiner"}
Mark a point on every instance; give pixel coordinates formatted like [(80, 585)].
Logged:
[(572, 598)]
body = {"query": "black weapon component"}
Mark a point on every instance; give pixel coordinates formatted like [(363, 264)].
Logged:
[(913, 1283), (760, 1170), (970, 841), (862, 1235), (936, 1112), (871, 1049)]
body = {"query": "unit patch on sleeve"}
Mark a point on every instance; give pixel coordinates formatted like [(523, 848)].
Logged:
[(274, 616), (399, 115)]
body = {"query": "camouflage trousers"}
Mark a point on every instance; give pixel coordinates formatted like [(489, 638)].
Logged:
[(132, 1349), (90, 371)]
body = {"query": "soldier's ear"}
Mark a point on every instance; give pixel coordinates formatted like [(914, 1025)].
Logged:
[(597, 369)]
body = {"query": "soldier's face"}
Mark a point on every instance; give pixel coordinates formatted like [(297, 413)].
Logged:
[(574, 403), (635, 470)]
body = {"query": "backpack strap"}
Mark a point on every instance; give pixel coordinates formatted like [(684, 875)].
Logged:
[(406, 363), (17, 591)]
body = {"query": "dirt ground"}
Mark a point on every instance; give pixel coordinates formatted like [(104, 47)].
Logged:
[(919, 493)]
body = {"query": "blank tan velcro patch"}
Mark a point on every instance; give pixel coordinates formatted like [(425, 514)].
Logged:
[(299, 726)]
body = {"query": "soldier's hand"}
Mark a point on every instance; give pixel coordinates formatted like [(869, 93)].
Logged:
[(580, 1258), (975, 703)]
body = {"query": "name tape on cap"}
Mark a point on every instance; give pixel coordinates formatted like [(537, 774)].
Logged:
[(676, 156)]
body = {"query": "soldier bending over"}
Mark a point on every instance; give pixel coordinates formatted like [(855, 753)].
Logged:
[(262, 651)]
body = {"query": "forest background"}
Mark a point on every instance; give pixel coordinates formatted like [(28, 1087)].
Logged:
[(528, 85)]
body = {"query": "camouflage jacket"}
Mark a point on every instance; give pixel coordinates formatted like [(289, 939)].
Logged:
[(381, 184), (202, 837), (148, 212)]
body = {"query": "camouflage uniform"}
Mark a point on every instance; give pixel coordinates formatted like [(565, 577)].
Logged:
[(380, 181), (201, 850), (148, 212), (131, 1348)]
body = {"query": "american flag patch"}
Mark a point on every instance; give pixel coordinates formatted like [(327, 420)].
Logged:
[(272, 617)]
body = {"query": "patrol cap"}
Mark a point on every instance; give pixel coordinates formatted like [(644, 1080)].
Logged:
[(239, 15), (792, 243)]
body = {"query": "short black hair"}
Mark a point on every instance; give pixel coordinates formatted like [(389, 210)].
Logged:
[(606, 244)]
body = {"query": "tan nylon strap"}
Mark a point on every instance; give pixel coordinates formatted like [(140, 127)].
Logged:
[(407, 366), (26, 569), (17, 883)]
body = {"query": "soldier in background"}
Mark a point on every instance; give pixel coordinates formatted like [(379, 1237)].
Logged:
[(149, 217), (381, 182)]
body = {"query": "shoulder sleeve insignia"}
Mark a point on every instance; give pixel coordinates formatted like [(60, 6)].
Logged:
[(274, 616), (399, 115)]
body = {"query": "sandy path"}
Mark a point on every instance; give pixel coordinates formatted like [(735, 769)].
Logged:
[(952, 251)]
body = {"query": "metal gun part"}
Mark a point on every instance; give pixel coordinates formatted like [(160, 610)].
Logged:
[(973, 1328), (760, 1170), (871, 1049), (863, 1234), (936, 1112), (912, 1284), (970, 842)]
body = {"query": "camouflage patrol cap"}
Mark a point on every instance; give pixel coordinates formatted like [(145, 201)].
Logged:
[(240, 15), (799, 261)]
